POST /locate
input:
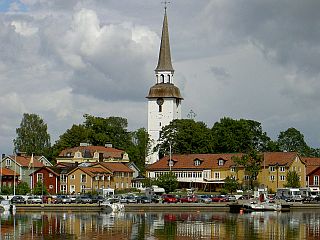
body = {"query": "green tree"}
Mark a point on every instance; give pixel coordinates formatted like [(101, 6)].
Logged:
[(6, 190), (22, 188), (185, 136), (293, 179), (168, 181), (140, 146), (32, 135), (242, 135), (40, 189), (251, 162), (230, 184), (71, 138), (107, 130), (292, 140)]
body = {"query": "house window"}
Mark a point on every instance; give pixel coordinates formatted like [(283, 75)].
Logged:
[(246, 177), (232, 169), (220, 162), (50, 186), (73, 177), (282, 169), (217, 175), (50, 175), (282, 177), (272, 168), (39, 177), (8, 162), (63, 188), (316, 180), (170, 163), (197, 162), (83, 188), (272, 178), (83, 178)]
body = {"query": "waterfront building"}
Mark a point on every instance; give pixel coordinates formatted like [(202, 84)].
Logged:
[(49, 177), (88, 153), (164, 98), (209, 171), (313, 171), (8, 177), (24, 165)]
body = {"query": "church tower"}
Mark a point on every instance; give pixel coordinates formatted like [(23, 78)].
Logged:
[(164, 98)]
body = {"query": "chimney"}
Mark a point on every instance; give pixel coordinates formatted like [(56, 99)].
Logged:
[(108, 145), (100, 157), (3, 156)]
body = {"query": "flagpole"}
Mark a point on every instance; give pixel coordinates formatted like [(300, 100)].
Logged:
[(14, 175)]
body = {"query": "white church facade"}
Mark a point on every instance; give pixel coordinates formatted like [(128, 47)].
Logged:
[(164, 98)]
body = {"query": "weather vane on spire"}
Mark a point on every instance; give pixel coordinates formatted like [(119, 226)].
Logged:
[(165, 5)]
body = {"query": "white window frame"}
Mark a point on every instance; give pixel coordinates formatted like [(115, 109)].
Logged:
[(220, 162), (272, 178), (216, 175), (316, 180), (282, 177), (272, 168), (282, 169), (50, 175)]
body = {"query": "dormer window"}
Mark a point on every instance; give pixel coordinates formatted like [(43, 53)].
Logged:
[(220, 162), (77, 154), (197, 162), (96, 155)]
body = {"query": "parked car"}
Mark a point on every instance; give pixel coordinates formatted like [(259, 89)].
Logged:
[(97, 199), (189, 199), (131, 199), (204, 199), (231, 198), (83, 199), (62, 199), (219, 198), (143, 199), (155, 198), (17, 200), (73, 198), (169, 198), (34, 199)]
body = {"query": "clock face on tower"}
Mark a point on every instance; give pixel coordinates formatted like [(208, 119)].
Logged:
[(160, 101)]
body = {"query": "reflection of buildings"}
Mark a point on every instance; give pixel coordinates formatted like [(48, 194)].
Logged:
[(267, 225)]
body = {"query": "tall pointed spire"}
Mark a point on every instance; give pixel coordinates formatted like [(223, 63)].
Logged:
[(164, 61)]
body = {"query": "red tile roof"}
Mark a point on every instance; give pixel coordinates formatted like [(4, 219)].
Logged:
[(115, 166), (210, 161), (92, 171), (312, 164), (8, 172), (107, 151), (25, 160)]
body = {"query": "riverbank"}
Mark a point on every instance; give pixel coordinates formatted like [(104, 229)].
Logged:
[(157, 207)]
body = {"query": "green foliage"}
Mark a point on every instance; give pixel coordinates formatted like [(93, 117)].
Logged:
[(251, 162), (292, 140), (293, 179), (139, 147), (6, 190), (40, 189), (168, 181), (32, 136), (22, 188), (242, 135), (185, 136), (230, 185), (148, 182)]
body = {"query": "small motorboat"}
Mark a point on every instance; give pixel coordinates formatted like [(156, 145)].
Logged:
[(6, 206)]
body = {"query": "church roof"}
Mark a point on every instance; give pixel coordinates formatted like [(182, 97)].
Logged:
[(164, 61), (164, 90)]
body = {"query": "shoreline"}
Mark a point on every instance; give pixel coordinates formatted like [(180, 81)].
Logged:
[(156, 207)]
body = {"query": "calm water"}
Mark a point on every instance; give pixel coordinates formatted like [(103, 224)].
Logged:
[(269, 225)]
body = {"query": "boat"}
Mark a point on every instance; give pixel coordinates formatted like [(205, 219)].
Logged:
[(114, 207), (261, 206), (7, 207)]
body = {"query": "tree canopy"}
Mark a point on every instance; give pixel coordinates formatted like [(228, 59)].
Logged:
[(32, 135), (242, 135), (293, 179), (168, 181), (185, 136)]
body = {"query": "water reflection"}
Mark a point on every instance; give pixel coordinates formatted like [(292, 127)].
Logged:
[(218, 225)]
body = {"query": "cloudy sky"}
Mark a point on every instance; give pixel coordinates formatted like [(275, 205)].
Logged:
[(249, 59)]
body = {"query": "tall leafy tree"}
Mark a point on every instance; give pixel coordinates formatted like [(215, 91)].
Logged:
[(239, 136), (168, 181), (251, 162), (32, 135), (107, 130), (140, 146), (292, 140), (185, 136), (293, 179), (230, 184)]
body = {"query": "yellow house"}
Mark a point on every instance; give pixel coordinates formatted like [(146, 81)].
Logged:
[(120, 174), (88, 179)]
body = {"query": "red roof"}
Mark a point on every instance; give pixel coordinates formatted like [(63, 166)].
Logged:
[(115, 166), (25, 160), (211, 161), (107, 151), (312, 164), (8, 172)]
